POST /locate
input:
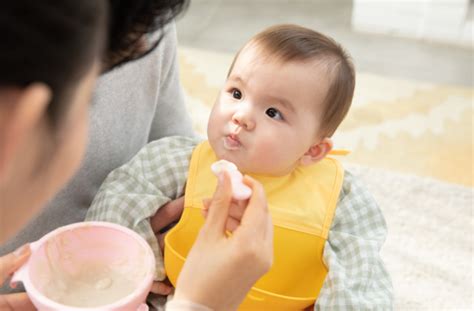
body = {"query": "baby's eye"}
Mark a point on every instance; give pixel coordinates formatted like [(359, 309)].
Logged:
[(236, 94), (274, 113)]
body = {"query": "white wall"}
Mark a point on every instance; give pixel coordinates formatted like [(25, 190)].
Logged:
[(434, 20)]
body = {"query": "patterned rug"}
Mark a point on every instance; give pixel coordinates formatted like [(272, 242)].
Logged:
[(412, 144)]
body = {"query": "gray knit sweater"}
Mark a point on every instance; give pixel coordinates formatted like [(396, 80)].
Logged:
[(132, 105)]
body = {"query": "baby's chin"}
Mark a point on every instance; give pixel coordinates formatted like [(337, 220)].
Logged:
[(228, 156), (244, 167), (238, 161), (245, 164)]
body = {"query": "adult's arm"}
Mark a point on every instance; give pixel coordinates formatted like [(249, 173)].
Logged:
[(171, 117)]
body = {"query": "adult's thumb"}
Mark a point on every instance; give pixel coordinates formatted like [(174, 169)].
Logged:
[(11, 262)]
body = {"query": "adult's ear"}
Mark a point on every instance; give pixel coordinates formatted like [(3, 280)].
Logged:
[(20, 114), (317, 152)]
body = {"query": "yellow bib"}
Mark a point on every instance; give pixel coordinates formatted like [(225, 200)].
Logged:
[(302, 206)]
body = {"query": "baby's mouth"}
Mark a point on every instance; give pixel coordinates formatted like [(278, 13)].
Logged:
[(232, 142)]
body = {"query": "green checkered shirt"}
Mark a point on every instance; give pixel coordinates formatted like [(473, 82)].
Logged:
[(356, 279)]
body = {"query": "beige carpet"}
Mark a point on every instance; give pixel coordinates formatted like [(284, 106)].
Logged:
[(412, 144), (428, 251)]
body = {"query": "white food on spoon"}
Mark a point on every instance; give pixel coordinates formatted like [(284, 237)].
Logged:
[(240, 191)]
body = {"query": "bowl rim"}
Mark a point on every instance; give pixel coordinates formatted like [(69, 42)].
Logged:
[(144, 284)]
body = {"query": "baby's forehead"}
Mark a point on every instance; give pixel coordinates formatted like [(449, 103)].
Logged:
[(298, 81), (257, 63), (256, 53), (253, 52)]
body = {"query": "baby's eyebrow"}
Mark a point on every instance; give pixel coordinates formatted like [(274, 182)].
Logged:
[(284, 102), (237, 79)]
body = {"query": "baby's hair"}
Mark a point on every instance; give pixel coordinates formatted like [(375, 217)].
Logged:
[(296, 43), (54, 42)]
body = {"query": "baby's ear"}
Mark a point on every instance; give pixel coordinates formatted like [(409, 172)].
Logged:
[(317, 152)]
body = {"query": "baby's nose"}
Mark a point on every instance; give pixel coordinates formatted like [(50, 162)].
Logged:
[(244, 120)]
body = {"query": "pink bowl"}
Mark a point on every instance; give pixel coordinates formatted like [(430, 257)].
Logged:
[(89, 266)]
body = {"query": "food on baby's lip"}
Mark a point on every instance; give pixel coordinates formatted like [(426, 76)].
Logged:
[(240, 191)]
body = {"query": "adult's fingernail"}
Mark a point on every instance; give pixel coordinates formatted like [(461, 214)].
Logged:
[(22, 250)]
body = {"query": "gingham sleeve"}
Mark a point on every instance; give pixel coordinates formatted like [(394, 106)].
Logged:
[(357, 278), (132, 193)]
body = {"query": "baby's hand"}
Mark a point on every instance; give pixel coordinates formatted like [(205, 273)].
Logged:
[(163, 288), (240, 191)]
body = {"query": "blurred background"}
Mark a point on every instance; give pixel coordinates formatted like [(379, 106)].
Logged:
[(409, 130)]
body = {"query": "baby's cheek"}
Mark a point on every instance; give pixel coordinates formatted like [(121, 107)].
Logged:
[(269, 152)]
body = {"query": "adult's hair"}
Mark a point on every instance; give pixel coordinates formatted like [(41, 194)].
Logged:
[(52, 41), (296, 43), (131, 21)]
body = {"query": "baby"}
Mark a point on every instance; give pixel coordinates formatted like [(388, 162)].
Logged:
[(287, 91)]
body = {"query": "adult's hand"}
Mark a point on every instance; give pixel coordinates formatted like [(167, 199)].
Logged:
[(221, 269), (236, 212), (9, 264)]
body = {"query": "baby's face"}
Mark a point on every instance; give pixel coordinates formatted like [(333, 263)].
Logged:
[(267, 115)]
